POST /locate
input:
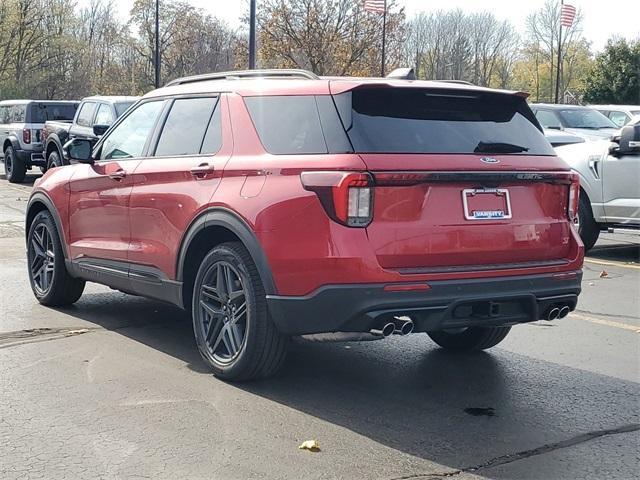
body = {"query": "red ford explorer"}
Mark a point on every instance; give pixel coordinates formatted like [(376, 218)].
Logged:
[(278, 203)]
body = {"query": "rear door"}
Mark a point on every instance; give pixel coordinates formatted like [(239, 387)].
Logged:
[(99, 193), (83, 126), (463, 179), (620, 190), (188, 154)]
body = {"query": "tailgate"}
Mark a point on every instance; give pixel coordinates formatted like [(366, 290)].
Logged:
[(467, 220)]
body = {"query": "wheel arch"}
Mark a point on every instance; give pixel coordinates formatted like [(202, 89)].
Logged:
[(213, 227), (11, 140), (39, 202), (52, 144)]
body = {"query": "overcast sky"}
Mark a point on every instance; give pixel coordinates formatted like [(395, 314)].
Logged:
[(602, 18)]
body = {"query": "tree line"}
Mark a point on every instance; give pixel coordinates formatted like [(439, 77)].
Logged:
[(53, 49)]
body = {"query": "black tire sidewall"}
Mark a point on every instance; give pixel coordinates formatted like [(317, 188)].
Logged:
[(238, 365), (59, 268), (9, 162), (18, 170), (53, 160), (588, 229)]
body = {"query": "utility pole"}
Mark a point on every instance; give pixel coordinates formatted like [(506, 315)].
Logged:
[(156, 53), (252, 35)]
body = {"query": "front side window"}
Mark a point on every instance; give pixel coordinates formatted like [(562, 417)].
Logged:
[(127, 140), (122, 107), (619, 118), (416, 120), (184, 130), (104, 116), (86, 114), (548, 119)]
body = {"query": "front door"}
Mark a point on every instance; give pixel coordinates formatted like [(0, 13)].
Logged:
[(620, 190), (176, 180), (99, 193)]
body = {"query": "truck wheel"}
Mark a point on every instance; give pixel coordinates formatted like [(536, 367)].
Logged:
[(54, 160), (471, 338), (587, 226), (234, 331), (15, 169), (51, 283)]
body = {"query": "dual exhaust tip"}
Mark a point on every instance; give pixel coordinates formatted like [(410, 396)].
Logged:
[(397, 326), (556, 313)]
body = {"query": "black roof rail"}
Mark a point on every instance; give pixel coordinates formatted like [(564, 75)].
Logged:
[(461, 82), (238, 74)]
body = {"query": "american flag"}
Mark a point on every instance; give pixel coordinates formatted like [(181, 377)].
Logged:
[(567, 14), (377, 6)]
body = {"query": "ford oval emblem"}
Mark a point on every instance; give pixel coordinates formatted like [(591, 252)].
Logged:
[(489, 160)]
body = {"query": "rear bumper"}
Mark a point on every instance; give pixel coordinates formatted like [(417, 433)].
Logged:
[(446, 304), (31, 157)]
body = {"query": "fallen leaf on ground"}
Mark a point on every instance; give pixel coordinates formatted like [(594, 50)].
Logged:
[(311, 445), (80, 331), (603, 274)]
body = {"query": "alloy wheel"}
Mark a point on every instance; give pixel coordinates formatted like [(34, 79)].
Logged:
[(42, 258), (223, 312)]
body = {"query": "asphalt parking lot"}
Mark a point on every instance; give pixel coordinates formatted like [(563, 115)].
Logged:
[(114, 388)]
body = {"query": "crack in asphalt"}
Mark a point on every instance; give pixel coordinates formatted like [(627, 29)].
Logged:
[(514, 457), (34, 335)]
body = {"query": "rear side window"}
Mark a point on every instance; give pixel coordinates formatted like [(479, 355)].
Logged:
[(86, 114), (16, 114), (411, 120), (293, 124), (548, 119), (184, 130), (42, 112), (4, 114)]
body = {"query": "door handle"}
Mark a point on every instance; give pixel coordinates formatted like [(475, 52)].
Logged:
[(202, 170), (118, 175)]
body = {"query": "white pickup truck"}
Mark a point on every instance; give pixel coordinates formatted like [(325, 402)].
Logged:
[(609, 183)]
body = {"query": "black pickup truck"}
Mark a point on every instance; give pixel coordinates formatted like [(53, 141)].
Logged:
[(93, 118)]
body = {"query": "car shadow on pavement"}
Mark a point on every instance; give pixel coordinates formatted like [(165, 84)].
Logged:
[(623, 252), (462, 411)]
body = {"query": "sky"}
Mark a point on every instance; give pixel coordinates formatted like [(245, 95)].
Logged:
[(602, 18)]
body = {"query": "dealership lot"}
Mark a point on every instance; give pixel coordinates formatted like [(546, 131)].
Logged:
[(113, 387)]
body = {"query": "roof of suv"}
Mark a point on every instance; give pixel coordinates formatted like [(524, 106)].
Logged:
[(25, 102), (257, 86), (558, 106), (111, 98)]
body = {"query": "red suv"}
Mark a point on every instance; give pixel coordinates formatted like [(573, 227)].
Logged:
[(291, 204)]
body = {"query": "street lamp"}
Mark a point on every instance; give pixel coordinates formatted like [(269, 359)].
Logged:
[(252, 35)]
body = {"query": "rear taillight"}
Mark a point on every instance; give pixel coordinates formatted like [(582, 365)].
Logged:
[(574, 198), (347, 197), (26, 135)]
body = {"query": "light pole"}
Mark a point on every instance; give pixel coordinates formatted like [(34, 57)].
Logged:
[(252, 35), (156, 53)]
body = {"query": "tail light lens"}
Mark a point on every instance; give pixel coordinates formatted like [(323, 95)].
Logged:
[(347, 197), (26, 135), (574, 198)]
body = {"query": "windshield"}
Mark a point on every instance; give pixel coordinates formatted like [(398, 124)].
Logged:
[(585, 118), (412, 120), (122, 107)]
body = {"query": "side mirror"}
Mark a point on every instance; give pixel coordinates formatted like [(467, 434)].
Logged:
[(78, 150), (98, 130), (627, 143)]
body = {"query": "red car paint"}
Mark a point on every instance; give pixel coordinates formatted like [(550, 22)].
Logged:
[(143, 216)]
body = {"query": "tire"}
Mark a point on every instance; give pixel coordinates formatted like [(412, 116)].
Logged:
[(472, 338), (51, 283), (54, 160), (232, 326), (587, 226), (15, 169)]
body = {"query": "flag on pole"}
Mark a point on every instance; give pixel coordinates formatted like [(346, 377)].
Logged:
[(377, 6), (567, 15)]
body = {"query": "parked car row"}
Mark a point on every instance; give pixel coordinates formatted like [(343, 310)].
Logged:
[(32, 132)]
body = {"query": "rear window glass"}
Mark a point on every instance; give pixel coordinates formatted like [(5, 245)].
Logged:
[(287, 124), (122, 107), (411, 120), (184, 130), (42, 112)]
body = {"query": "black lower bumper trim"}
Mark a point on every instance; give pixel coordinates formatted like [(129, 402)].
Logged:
[(447, 304)]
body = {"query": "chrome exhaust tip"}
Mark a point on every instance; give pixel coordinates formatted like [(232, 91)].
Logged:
[(553, 314), (386, 330), (564, 311), (402, 327)]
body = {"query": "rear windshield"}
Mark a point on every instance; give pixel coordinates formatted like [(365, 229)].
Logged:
[(411, 120), (41, 112), (122, 107)]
